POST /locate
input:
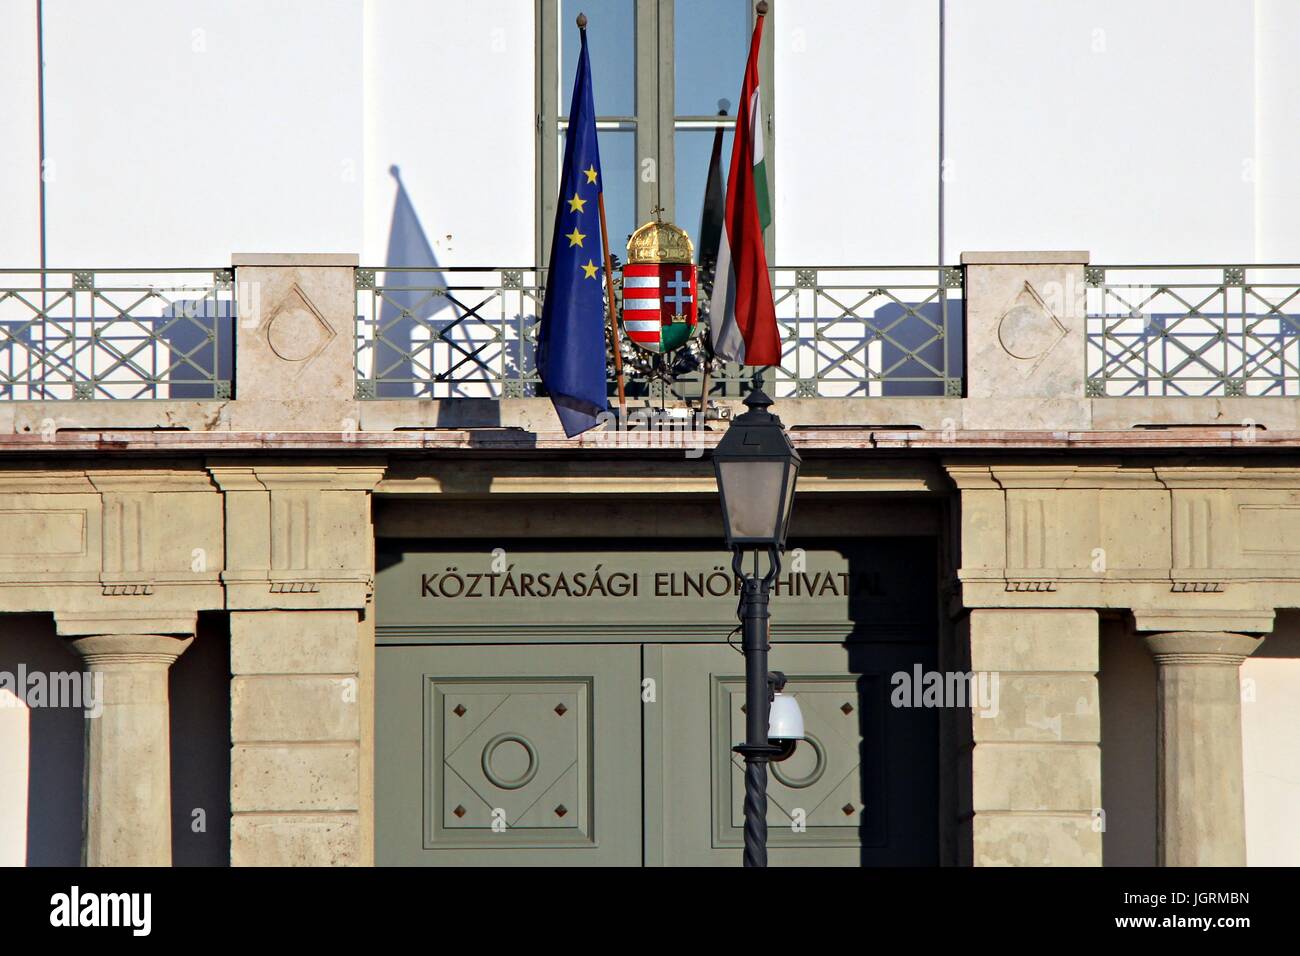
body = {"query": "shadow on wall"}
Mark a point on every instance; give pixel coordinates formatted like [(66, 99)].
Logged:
[(55, 742), (1127, 688), (200, 746), (920, 342), (1129, 729), (895, 631)]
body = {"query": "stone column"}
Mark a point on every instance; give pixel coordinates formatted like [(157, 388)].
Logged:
[(1202, 814), (1031, 781), (127, 818)]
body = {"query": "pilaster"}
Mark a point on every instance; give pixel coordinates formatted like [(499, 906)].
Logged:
[(299, 581), (1032, 780)]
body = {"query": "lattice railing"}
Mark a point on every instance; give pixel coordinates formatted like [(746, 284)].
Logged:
[(116, 333), (1193, 330), (846, 331)]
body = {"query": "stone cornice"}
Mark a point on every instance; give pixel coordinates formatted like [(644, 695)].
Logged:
[(484, 479), (812, 438), (331, 475), (130, 481)]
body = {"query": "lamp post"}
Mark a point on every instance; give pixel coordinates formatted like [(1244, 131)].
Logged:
[(757, 466)]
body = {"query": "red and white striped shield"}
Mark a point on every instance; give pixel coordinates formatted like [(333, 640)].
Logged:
[(660, 304)]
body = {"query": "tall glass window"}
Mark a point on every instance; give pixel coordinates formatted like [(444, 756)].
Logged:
[(710, 43), (611, 43), (666, 75)]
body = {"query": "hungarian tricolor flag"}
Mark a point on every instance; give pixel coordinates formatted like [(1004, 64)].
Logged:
[(742, 316)]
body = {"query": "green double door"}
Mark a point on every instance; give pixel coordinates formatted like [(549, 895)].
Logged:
[(620, 754)]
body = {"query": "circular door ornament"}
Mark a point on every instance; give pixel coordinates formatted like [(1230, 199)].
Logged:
[(783, 775), (660, 293), (500, 766)]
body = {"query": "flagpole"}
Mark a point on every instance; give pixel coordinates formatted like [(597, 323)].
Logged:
[(704, 390), (609, 287), (613, 318)]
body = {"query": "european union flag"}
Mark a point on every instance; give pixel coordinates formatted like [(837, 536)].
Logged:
[(571, 339)]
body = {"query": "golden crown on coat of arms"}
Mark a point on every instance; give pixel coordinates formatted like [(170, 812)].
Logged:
[(659, 241)]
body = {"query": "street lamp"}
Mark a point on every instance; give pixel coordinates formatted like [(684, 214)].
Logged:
[(756, 467)]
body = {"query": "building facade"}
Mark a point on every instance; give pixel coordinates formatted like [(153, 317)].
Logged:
[(443, 633), (343, 593)]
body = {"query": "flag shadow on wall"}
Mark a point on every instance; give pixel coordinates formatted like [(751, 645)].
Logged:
[(428, 342)]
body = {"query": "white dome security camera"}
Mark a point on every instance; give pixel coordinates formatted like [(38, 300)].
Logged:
[(784, 721)]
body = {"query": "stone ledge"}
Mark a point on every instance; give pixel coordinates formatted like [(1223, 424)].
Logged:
[(1023, 258), (294, 259), (109, 439)]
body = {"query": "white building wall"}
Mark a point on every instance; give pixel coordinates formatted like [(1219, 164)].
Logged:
[(14, 747), (1124, 127), (1142, 130), (1270, 714), (181, 132), (1277, 132), (19, 183), (856, 135)]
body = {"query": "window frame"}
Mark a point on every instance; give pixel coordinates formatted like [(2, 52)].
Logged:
[(655, 122)]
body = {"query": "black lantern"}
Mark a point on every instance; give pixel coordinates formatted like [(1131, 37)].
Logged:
[(756, 467)]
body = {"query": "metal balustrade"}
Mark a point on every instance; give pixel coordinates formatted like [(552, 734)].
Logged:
[(846, 331), (116, 334), (864, 331), (1193, 330)]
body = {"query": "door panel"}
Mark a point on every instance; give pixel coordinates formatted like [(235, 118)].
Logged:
[(863, 788), (822, 785), (494, 756)]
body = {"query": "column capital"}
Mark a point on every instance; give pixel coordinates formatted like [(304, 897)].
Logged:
[(126, 649), (1201, 647)]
